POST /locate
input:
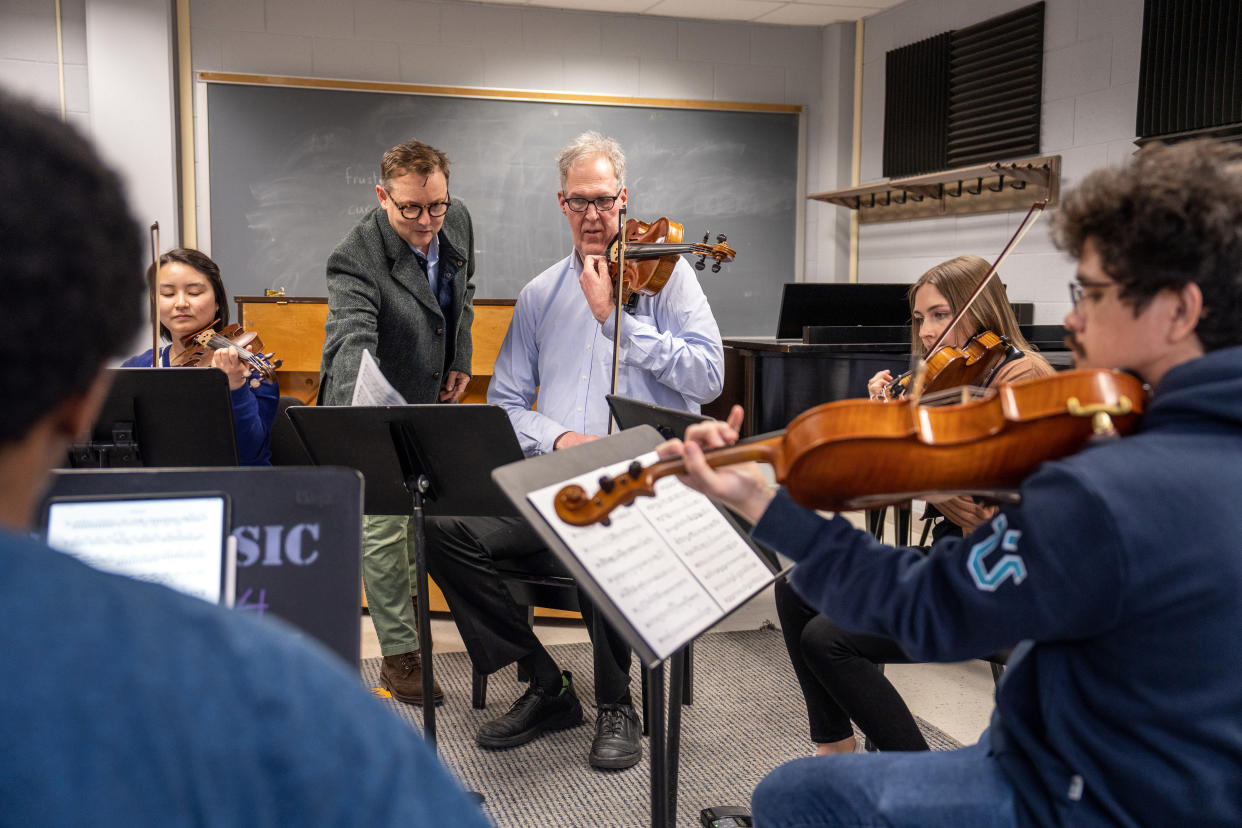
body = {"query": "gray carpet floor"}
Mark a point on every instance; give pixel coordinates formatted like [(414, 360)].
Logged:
[(747, 718)]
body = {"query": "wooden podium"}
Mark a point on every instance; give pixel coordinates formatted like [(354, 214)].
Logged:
[(291, 327)]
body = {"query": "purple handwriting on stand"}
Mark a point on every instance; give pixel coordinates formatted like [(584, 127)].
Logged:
[(253, 603)]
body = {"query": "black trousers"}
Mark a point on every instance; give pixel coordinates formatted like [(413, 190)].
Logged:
[(840, 680), (462, 556)]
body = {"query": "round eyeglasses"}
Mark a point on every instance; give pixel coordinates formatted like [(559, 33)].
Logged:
[(412, 211)]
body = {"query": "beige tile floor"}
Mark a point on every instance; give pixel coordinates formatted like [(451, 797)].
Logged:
[(957, 698)]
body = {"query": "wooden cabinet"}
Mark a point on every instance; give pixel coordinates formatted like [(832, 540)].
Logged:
[(291, 327)]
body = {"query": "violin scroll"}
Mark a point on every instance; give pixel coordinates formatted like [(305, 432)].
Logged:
[(720, 251), (577, 509)]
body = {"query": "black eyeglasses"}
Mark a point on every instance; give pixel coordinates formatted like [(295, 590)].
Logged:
[(412, 211), (1079, 289), (603, 204)]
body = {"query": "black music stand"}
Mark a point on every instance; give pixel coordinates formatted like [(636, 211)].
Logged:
[(518, 479), (161, 417), (670, 422), (416, 460)]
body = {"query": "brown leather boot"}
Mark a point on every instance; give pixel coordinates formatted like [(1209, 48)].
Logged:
[(402, 675)]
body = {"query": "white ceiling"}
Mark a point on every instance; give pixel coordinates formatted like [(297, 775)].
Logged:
[(786, 12)]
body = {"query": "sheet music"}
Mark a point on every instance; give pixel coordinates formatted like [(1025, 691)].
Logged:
[(177, 542), (673, 564), (372, 387)]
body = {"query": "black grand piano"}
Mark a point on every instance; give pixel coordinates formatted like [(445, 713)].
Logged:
[(831, 339)]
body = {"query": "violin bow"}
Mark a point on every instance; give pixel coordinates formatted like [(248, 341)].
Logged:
[(616, 326), (1032, 215), (155, 280)]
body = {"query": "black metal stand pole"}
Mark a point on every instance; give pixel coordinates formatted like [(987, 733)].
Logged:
[(659, 756), (418, 485)]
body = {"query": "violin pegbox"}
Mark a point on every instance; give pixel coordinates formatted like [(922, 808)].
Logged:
[(719, 251)]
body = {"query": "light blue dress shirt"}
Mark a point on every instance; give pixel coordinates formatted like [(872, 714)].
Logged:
[(431, 261), (557, 359)]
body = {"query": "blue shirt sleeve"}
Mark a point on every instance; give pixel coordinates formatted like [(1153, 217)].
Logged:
[(254, 411), (1049, 569)]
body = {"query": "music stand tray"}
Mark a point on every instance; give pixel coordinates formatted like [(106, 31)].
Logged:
[(162, 417), (670, 422)]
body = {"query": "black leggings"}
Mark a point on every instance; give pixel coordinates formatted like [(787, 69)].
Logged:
[(840, 680)]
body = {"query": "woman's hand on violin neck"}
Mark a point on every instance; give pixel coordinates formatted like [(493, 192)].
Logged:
[(597, 287), (227, 360), (877, 386)]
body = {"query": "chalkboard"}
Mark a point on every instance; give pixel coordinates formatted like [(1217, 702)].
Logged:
[(291, 170)]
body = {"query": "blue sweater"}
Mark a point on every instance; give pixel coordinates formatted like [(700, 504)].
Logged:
[(127, 704), (1121, 573), (254, 411)]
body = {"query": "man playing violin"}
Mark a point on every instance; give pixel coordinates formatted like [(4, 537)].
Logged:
[(1119, 571), (551, 376), (400, 286)]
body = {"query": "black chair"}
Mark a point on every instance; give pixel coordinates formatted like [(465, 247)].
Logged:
[(287, 448), (559, 592)]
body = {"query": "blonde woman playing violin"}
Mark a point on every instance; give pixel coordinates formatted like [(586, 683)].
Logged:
[(836, 668), (934, 301), (191, 298)]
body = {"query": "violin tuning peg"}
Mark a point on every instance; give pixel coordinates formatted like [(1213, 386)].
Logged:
[(635, 469), (721, 238), (700, 264), (605, 522), (705, 237), (606, 484), (716, 267)]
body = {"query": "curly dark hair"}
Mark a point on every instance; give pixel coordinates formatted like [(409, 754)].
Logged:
[(1171, 216), (203, 264), (70, 261)]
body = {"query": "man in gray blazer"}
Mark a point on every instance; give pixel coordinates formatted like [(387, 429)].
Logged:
[(400, 286)]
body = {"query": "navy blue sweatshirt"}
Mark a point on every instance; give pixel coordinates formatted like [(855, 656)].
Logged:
[(1121, 573)]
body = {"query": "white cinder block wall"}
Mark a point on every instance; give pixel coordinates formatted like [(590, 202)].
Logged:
[(1091, 68), (28, 54), (1090, 87)]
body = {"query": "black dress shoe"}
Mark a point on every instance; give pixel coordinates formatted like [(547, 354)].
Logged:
[(532, 714), (618, 737)]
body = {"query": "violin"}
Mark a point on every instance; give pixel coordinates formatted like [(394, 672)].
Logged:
[(856, 454), (200, 346), (973, 364), (651, 252)]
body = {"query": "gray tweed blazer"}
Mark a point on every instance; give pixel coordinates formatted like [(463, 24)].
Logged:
[(379, 299)]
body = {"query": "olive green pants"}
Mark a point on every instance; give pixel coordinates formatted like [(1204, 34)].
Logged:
[(389, 578)]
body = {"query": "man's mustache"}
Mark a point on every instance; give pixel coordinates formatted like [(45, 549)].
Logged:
[(1073, 344)]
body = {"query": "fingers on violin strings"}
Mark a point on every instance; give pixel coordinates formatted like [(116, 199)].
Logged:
[(670, 448)]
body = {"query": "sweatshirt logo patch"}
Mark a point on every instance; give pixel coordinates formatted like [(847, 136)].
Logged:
[(1009, 566)]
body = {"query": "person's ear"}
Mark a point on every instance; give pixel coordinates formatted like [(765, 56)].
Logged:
[(73, 416), (1187, 311)]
